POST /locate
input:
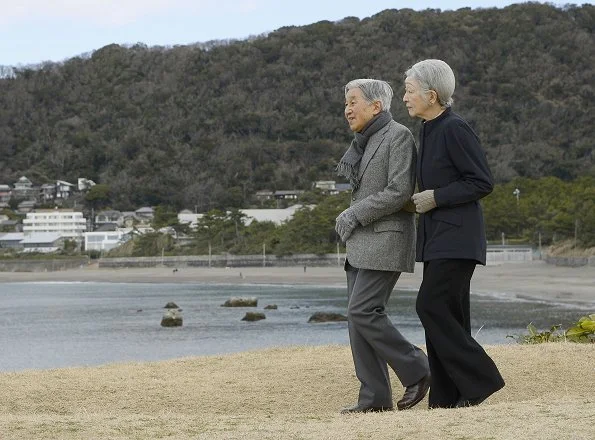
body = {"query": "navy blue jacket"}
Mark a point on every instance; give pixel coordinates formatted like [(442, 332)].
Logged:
[(452, 162)]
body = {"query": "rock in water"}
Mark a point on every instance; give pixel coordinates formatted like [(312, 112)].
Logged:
[(253, 316), (271, 307), (327, 317), (172, 318), (171, 305), (241, 302)]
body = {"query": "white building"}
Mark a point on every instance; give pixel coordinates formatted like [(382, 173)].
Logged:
[(68, 223), (106, 240), (43, 242), (277, 216), (187, 217)]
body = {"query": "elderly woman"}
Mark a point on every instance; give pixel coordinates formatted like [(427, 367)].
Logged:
[(452, 176)]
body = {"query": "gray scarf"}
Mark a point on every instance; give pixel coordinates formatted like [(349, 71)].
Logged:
[(349, 164)]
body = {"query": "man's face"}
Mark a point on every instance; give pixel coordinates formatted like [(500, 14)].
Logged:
[(358, 111)]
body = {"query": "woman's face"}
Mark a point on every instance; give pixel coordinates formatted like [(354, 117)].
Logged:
[(358, 111), (416, 101)]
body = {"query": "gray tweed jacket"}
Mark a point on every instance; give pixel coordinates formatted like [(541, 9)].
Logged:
[(385, 238)]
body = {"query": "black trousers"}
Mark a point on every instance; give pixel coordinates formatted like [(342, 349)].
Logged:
[(459, 366)]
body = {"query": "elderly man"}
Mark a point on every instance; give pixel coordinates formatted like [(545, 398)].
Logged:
[(380, 239)]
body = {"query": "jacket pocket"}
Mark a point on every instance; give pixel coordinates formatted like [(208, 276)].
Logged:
[(452, 218), (387, 225)]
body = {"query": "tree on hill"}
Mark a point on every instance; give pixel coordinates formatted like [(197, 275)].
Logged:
[(208, 125)]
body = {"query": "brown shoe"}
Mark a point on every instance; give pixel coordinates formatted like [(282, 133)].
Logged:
[(414, 393), (357, 408)]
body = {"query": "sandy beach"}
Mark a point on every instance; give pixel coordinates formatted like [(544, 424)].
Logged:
[(535, 279)]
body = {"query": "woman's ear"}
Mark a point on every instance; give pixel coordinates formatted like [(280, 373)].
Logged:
[(433, 97)]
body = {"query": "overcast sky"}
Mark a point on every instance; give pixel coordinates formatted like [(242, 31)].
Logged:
[(32, 31)]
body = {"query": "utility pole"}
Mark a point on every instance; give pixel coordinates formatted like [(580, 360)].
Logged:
[(575, 232), (264, 255), (540, 245), (517, 193)]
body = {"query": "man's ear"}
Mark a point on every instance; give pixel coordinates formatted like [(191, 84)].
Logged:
[(377, 108)]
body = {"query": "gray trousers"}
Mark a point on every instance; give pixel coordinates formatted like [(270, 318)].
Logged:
[(375, 342)]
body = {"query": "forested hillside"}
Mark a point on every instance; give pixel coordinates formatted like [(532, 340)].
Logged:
[(207, 126)]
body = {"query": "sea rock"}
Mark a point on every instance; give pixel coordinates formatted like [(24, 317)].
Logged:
[(253, 316), (241, 302), (172, 318), (327, 317), (171, 305), (271, 307)]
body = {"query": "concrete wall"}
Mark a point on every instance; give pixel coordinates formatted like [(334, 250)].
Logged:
[(42, 265), (226, 261), (570, 261), (509, 254)]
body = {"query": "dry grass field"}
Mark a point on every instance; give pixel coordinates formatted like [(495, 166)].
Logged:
[(292, 393)]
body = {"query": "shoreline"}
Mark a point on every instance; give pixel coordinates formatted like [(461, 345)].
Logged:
[(535, 280)]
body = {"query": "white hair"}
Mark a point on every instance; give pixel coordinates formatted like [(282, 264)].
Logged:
[(373, 90), (434, 75)]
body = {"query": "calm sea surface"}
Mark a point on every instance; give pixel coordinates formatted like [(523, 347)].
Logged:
[(50, 325)]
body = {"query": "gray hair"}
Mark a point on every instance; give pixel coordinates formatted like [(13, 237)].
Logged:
[(373, 90), (434, 75)]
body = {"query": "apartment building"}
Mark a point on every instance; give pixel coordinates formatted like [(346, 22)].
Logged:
[(68, 223)]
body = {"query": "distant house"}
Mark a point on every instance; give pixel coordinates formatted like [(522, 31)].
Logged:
[(340, 188), (288, 194), (106, 240), (277, 216), (105, 227), (44, 242), (47, 192), (325, 185), (128, 219), (109, 216), (11, 226), (84, 184), (64, 189), (11, 240), (187, 217), (24, 189), (332, 187), (145, 213), (5, 194), (264, 195), (26, 206)]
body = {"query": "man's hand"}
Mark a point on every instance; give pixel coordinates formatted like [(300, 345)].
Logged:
[(409, 206), (424, 201), (346, 222)]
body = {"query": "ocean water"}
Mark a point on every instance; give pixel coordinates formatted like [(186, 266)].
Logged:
[(51, 325)]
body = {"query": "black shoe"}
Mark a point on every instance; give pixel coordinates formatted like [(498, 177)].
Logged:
[(414, 394), (463, 403), (357, 408)]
